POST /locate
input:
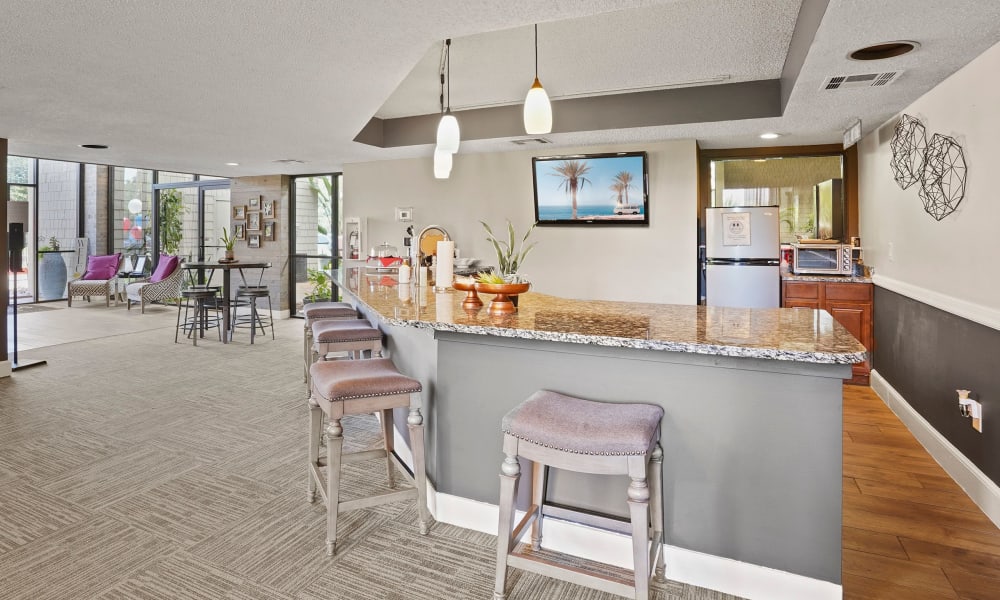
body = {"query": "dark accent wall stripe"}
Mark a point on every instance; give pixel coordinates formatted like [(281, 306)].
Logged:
[(926, 353)]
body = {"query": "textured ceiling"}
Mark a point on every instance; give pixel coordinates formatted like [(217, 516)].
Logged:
[(189, 85)]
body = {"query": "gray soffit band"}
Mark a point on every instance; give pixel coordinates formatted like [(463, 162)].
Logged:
[(810, 16), (701, 104)]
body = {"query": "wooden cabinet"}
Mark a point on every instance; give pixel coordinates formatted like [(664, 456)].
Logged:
[(849, 303)]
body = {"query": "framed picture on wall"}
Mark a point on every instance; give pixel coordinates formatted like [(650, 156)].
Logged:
[(268, 207), (239, 212), (269, 230), (240, 231), (254, 201), (253, 220), (254, 241)]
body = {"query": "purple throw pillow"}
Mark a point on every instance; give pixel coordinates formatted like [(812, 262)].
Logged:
[(102, 267), (164, 268)]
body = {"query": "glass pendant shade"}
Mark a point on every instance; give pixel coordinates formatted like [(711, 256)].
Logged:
[(447, 133), (442, 163), (537, 110)]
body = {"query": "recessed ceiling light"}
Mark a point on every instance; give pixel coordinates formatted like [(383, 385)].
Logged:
[(94, 146), (769, 136), (232, 164), (884, 50)]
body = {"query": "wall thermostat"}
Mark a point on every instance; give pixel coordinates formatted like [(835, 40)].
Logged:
[(404, 213)]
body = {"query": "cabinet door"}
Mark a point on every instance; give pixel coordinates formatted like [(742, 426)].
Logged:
[(856, 318)]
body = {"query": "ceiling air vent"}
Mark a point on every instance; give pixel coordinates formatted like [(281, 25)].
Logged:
[(289, 161), (530, 141), (865, 80)]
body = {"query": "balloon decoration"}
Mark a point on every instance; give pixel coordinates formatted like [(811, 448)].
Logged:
[(135, 206), (126, 224), (136, 233), (137, 221)]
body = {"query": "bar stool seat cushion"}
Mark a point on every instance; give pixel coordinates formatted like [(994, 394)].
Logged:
[(347, 380), (326, 310), (571, 424), (332, 332)]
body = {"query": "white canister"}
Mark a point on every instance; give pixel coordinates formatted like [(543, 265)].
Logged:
[(444, 276), (404, 273)]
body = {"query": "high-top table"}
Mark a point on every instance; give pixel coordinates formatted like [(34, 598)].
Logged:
[(227, 269)]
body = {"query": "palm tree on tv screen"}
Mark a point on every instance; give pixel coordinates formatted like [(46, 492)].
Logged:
[(572, 172), (618, 190), (624, 180)]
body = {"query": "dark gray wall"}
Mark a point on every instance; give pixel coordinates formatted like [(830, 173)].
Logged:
[(752, 448), (926, 354)]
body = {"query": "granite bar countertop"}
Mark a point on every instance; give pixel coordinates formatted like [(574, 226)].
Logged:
[(825, 278), (801, 335)]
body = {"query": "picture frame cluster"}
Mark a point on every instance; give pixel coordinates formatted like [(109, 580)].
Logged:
[(254, 222)]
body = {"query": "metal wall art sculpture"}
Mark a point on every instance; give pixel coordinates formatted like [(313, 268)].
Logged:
[(939, 166), (908, 144)]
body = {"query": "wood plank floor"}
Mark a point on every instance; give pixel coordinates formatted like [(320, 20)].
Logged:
[(909, 531)]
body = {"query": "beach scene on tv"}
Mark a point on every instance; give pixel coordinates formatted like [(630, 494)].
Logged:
[(590, 189)]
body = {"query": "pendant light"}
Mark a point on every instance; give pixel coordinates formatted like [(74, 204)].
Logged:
[(447, 132), (537, 108), (442, 163)]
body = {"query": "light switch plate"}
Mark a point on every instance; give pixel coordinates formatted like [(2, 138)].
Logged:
[(404, 213)]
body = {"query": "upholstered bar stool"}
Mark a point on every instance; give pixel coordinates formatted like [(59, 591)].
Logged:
[(356, 335), (554, 430), (342, 388), (320, 311), (204, 302)]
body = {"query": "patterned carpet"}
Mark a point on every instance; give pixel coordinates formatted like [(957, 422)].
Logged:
[(133, 467)]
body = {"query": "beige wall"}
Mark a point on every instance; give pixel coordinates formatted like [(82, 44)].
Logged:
[(640, 264), (950, 264), (275, 188)]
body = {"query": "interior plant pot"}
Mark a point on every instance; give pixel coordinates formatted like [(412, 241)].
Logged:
[(502, 304)]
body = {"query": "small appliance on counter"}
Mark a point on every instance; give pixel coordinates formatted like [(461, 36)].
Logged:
[(741, 257), (819, 257), (383, 259)]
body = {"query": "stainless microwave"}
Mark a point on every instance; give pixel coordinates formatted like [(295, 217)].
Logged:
[(822, 259)]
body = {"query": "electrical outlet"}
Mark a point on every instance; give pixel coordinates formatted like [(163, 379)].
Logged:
[(968, 407), (892, 252)]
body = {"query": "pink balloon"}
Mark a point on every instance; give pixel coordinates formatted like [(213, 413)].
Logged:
[(136, 233), (126, 224)]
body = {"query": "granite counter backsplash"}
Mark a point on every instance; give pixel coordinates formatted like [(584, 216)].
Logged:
[(825, 278), (801, 335)]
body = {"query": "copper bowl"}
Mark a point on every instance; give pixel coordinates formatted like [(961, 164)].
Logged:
[(501, 304), (472, 301)]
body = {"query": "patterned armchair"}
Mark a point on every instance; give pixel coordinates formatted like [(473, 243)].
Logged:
[(93, 285), (144, 292)]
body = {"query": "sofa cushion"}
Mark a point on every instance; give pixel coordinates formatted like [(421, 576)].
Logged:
[(102, 267), (164, 268)]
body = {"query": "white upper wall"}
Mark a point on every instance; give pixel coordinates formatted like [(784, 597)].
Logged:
[(624, 263), (950, 264)]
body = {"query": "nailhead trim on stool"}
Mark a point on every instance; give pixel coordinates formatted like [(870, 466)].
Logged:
[(360, 387), (555, 430), (314, 312), (344, 335)]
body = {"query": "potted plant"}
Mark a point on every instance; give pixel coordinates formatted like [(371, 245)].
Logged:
[(228, 241), (510, 256), (507, 282), (51, 271)]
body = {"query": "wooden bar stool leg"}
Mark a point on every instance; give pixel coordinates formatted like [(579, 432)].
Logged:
[(415, 424), (510, 473), (388, 442), (656, 506), (315, 432), (638, 506), (334, 453), (538, 473)]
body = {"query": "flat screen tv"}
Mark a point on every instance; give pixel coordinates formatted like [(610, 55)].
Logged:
[(591, 189)]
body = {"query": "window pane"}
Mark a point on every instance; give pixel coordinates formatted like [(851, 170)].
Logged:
[(132, 209), (20, 169), (217, 216)]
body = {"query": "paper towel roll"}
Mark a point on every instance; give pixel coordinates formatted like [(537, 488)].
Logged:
[(445, 264), (404, 273)]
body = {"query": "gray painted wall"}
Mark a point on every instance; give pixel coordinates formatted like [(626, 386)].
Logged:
[(752, 464), (926, 354)]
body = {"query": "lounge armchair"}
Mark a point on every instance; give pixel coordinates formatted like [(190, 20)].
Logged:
[(100, 279), (157, 286)]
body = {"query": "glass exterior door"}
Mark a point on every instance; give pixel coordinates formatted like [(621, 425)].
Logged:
[(316, 204)]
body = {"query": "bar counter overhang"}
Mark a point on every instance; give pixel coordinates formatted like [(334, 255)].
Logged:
[(753, 402)]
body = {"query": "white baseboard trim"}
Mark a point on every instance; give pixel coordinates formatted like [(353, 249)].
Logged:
[(5, 368), (967, 475), (984, 315), (686, 566)]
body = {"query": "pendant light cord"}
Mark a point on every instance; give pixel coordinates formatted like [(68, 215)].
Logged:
[(447, 63), (536, 50)]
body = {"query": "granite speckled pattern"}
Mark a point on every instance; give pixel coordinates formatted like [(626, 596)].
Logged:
[(800, 335), (825, 278)]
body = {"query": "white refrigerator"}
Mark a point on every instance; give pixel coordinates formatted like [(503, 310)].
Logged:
[(742, 256)]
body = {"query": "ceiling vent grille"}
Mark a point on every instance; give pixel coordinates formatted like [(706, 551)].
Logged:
[(530, 141), (865, 80), (290, 161)]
